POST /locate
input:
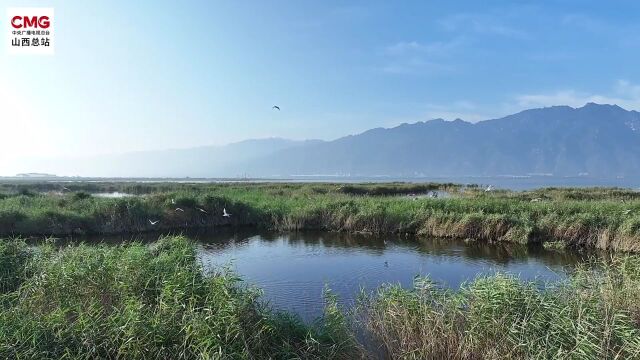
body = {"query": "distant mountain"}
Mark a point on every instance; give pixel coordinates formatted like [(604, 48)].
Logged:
[(594, 140), (204, 161)]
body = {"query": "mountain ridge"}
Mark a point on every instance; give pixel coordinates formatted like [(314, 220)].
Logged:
[(595, 139)]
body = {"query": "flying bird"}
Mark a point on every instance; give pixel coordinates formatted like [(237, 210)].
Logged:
[(276, 107), (489, 188), (153, 222), (225, 213), (202, 210), (173, 201), (627, 211), (179, 209)]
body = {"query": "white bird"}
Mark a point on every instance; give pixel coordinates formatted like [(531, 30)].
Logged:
[(153, 222), (225, 213), (535, 200), (276, 107), (64, 188), (489, 188), (627, 211), (179, 209), (173, 201), (202, 210)]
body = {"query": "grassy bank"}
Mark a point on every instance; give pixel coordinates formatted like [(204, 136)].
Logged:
[(599, 218), (154, 302)]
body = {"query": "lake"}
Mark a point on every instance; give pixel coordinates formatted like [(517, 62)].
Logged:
[(294, 268)]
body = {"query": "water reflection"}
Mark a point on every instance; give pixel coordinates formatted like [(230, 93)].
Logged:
[(294, 268)]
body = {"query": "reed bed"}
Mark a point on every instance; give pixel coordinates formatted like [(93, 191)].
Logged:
[(598, 218), (134, 301), (146, 302), (593, 315)]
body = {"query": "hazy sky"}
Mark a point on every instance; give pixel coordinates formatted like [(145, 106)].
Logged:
[(137, 75)]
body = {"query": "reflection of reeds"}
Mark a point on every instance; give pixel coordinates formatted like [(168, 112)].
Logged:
[(595, 218)]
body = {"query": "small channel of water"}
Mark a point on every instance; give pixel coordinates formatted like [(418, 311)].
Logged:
[(294, 268)]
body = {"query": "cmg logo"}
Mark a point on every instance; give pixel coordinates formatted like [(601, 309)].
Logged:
[(29, 30), (19, 22)]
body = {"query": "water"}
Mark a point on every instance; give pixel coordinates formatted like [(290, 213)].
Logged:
[(294, 268), (113, 195)]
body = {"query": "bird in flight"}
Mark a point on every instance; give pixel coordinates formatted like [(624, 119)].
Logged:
[(179, 209), (225, 213), (626, 212), (489, 188), (153, 222), (202, 210), (276, 107)]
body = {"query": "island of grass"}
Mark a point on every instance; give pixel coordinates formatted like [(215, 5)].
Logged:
[(603, 218)]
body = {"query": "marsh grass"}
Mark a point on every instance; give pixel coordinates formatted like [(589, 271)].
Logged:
[(146, 302), (154, 301), (14, 258), (600, 218), (594, 315)]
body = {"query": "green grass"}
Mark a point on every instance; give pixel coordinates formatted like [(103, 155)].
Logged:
[(154, 301), (145, 302), (595, 315), (600, 217)]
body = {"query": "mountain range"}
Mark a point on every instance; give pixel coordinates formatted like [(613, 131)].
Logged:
[(593, 140)]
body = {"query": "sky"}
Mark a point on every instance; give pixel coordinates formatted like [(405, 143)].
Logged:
[(142, 75)]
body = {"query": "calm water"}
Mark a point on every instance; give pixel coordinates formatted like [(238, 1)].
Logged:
[(294, 268), (113, 195)]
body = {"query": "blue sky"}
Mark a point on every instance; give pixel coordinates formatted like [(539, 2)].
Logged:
[(172, 74)]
